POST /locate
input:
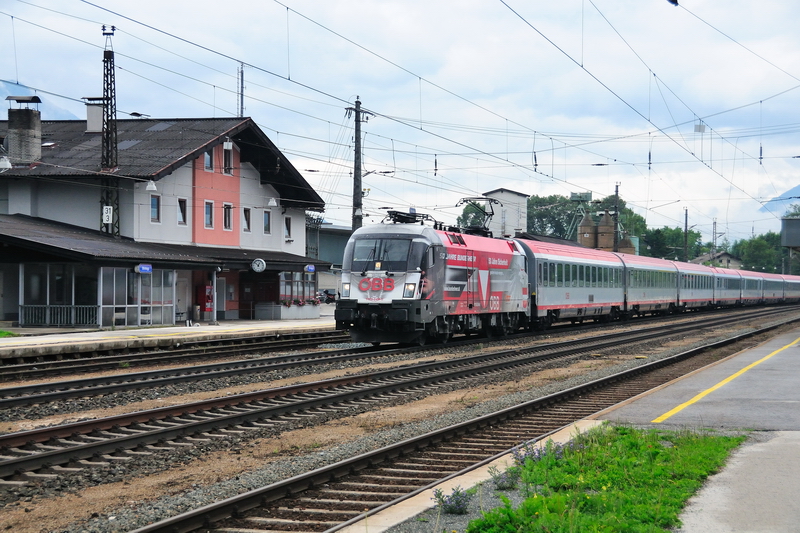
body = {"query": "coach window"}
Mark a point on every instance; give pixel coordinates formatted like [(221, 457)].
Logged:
[(539, 267), (574, 275), (551, 274), (580, 276), (559, 274)]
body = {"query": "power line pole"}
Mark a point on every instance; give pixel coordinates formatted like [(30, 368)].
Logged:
[(240, 91), (685, 234), (358, 194), (616, 218)]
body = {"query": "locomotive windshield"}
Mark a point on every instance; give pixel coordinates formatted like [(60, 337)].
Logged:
[(382, 254)]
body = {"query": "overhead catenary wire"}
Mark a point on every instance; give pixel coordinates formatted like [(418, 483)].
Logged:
[(416, 143)]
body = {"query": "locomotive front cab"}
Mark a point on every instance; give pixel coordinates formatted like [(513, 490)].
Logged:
[(389, 280)]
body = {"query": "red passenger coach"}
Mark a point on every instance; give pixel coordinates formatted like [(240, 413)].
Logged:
[(774, 288), (649, 285), (695, 286), (573, 283)]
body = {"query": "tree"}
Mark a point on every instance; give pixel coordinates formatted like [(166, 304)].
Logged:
[(793, 211), (668, 243), (759, 255), (762, 253), (655, 244), (471, 216), (631, 223), (550, 215)]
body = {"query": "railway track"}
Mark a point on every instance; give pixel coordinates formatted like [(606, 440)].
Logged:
[(29, 365), (49, 452), (25, 364), (97, 386), (330, 498)]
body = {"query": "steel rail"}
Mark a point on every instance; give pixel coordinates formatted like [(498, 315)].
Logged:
[(77, 362), (208, 515), (49, 392), (377, 384)]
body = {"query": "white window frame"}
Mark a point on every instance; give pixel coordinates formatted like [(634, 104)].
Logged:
[(184, 211), (157, 219), (287, 227), (227, 217), (208, 160), (227, 161), (267, 215), (207, 215), (246, 219)]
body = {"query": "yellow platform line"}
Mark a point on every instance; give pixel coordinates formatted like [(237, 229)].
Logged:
[(706, 392)]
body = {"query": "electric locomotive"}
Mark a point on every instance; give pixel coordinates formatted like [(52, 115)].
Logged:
[(411, 279)]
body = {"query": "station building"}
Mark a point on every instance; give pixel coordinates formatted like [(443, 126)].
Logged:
[(194, 219)]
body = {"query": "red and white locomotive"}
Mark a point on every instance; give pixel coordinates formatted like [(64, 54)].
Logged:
[(412, 279), (406, 281)]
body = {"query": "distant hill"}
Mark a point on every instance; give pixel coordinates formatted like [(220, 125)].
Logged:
[(780, 204), (49, 110)]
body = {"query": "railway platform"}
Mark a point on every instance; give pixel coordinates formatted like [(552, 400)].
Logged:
[(55, 340), (755, 390)]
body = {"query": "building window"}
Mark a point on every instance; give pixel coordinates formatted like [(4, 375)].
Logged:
[(155, 208), (227, 216), (287, 227), (227, 158), (246, 219), (182, 211), (208, 160), (209, 214), (267, 223)]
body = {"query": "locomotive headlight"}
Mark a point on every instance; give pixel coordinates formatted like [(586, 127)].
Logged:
[(409, 290), (345, 290)]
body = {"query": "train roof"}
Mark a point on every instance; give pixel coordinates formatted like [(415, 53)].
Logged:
[(476, 242), (651, 263), (729, 271), (693, 268), (568, 252)]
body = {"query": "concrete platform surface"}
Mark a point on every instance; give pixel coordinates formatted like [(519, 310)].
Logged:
[(759, 390), (56, 340)]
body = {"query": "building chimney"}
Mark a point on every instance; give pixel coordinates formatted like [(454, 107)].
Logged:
[(94, 114), (24, 132)]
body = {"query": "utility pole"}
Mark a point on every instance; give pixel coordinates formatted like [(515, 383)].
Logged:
[(714, 241), (109, 192), (240, 91), (358, 194), (616, 218), (685, 234)]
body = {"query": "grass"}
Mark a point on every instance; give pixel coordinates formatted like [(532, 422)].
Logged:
[(613, 479), (7, 334)]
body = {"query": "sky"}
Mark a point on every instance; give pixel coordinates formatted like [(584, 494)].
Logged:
[(693, 111)]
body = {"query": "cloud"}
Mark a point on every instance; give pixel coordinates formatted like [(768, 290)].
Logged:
[(464, 93)]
